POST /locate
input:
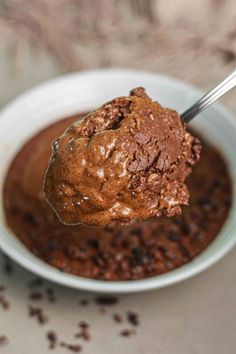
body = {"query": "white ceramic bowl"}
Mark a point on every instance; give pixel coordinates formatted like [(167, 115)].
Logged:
[(81, 92)]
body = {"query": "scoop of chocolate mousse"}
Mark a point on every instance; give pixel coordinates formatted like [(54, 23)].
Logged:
[(125, 161)]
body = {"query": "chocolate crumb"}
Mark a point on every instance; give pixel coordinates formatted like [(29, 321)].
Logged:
[(38, 313), (34, 283), (83, 324), (83, 334), (76, 348), (8, 267), (117, 318), (127, 332), (50, 291), (84, 302), (50, 295), (3, 340), (4, 302), (106, 300), (36, 295), (132, 318), (52, 337)]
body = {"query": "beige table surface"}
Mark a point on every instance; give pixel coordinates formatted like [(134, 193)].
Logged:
[(195, 317)]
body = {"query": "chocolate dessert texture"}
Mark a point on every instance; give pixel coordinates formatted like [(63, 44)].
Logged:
[(126, 161), (136, 251)]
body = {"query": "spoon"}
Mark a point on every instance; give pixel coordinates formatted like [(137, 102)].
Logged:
[(224, 86)]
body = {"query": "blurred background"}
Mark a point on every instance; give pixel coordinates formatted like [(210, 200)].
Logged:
[(190, 40)]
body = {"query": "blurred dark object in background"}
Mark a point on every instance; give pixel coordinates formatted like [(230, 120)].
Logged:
[(191, 40)]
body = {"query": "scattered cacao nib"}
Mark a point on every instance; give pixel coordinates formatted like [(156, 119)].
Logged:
[(52, 337), (42, 318), (83, 324), (76, 348), (49, 291), (127, 332), (3, 340), (118, 318), (86, 335), (132, 318), (34, 283), (50, 295), (4, 302), (39, 314), (107, 300), (36, 296), (83, 334), (84, 302), (8, 267)]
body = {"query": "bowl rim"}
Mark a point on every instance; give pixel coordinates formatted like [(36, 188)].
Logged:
[(46, 271)]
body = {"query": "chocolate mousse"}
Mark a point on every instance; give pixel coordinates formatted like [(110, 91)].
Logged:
[(127, 160), (137, 251)]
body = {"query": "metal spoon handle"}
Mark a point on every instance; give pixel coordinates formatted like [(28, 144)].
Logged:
[(210, 97)]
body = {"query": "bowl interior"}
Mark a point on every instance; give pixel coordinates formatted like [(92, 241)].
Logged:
[(82, 92)]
